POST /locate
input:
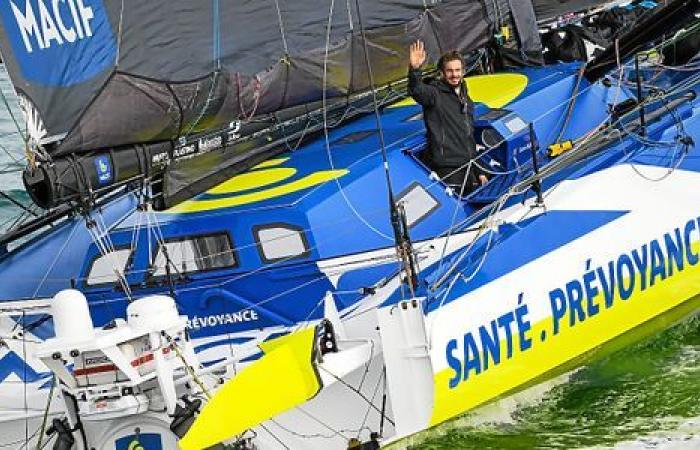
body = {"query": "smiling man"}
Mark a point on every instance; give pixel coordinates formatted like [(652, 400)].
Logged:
[(448, 115)]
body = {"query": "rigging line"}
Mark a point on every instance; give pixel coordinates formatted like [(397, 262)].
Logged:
[(275, 437), (136, 229), (265, 267), (460, 275), (7, 152), (46, 414), (162, 243), (212, 86), (281, 23), (11, 222), (676, 145), (367, 365), (252, 305), (350, 22), (477, 269), (107, 246), (18, 204), (55, 259), (404, 250), (25, 138), (217, 35), (570, 157), (119, 34), (454, 217), (104, 251), (323, 424), (188, 368), (572, 104), (359, 393), (374, 394), (24, 369), (333, 434), (325, 130), (23, 442), (495, 209)]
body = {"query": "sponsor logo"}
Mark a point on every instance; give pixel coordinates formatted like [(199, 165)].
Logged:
[(104, 169), (59, 42), (90, 361), (600, 288), (196, 323), (141, 441), (207, 144)]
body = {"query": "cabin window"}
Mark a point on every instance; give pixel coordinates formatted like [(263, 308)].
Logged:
[(418, 203), (195, 254), (278, 242), (102, 270)]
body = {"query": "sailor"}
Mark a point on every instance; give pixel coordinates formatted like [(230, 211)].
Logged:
[(448, 114)]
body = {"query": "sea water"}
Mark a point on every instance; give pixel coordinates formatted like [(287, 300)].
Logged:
[(645, 396), (12, 159)]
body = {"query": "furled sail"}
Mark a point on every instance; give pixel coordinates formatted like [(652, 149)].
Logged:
[(135, 78), (105, 73), (548, 9)]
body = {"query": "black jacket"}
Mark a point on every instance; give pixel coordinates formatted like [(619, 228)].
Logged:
[(448, 119)]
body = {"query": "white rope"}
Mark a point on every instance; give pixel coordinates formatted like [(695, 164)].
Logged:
[(325, 130), (281, 24)]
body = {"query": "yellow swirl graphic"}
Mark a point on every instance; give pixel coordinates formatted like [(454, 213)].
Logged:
[(254, 179), (306, 182), (135, 445), (495, 91)]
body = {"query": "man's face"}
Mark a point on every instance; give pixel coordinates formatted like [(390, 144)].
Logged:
[(452, 72)]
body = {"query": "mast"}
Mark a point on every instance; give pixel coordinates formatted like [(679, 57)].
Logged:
[(399, 223)]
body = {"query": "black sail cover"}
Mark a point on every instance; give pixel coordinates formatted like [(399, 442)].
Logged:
[(98, 74), (547, 9)]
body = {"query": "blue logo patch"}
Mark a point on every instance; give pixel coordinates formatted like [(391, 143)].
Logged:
[(104, 169), (59, 42), (142, 441)]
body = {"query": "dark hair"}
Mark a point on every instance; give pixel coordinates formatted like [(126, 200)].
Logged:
[(449, 56)]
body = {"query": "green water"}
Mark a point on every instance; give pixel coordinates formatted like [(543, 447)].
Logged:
[(644, 396)]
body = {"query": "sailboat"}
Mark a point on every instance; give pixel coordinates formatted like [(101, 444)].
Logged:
[(243, 247)]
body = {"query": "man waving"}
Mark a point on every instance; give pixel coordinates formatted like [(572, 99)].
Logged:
[(448, 115)]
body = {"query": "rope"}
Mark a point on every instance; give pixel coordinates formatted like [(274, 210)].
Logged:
[(356, 391), (119, 34), (274, 436), (369, 409), (281, 24), (12, 116), (190, 370), (325, 130), (44, 420)]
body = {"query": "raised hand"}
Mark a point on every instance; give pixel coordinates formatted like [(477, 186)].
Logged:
[(417, 54)]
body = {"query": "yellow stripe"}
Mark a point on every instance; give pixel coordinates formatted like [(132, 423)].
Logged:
[(298, 185), (254, 179), (495, 91), (271, 163), (283, 378), (572, 343)]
